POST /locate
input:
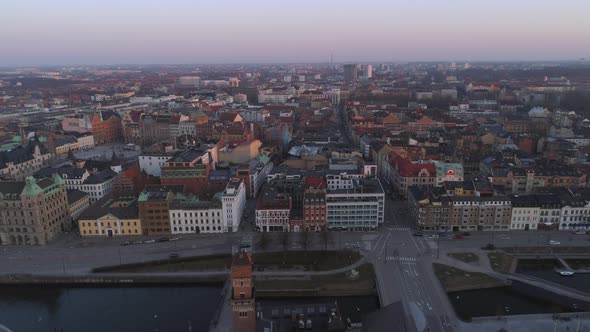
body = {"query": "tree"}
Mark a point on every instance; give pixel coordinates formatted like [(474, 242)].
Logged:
[(264, 241), (305, 241), (325, 238)]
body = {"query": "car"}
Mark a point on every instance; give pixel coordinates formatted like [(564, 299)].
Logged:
[(418, 234), (458, 236), (163, 239), (175, 239), (149, 241), (580, 232), (174, 256), (554, 243), (126, 243)]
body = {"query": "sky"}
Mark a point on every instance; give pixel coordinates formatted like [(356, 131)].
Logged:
[(75, 32)]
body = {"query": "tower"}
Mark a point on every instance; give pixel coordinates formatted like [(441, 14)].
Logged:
[(242, 299), (351, 72)]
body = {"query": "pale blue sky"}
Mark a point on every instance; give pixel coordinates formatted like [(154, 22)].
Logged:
[(41, 32)]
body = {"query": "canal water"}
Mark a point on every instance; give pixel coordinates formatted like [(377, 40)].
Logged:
[(544, 269), (114, 309), (516, 299)]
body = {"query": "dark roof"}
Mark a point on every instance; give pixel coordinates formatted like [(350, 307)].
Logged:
[(74, 195), (12, 187), (21, 154), (103, 207), (100, 177)]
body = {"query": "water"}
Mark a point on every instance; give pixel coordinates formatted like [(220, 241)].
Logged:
[(544, 269), (113, 309), (516, 299)]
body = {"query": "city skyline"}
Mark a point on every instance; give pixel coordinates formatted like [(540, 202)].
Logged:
[(65, 32)]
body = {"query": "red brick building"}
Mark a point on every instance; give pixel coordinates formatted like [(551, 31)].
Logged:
[(314, 209), (106, 127), (242, 299)]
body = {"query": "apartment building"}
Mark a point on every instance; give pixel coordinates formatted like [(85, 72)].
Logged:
[(233, 200), (154, 207), (32, 212), (195, 216), (273, 210), (359, 207), (111, 216)]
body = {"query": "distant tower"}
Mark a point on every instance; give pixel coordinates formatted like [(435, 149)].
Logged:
[(242, 299), (351, 72)]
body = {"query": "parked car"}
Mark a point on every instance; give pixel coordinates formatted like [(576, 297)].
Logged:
[(554, 243), (126, 243), (458, 236), (163, 239), (174, 256), (149, 241), (580, 232), (418, 234)]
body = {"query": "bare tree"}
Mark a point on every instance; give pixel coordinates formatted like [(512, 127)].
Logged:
[(325, 238), (305, 241), (264, 241), (285, 241)]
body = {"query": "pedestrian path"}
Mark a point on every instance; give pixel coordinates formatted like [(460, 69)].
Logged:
[(401, 259)]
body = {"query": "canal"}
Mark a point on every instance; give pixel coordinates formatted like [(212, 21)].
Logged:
[(114, 309)]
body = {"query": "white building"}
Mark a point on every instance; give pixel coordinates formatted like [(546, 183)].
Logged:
[(525, 213), (196, 217), (23, 161), (233, 202), (359, 208), (152, 163)]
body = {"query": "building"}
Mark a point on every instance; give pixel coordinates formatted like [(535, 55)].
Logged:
[(189, 168), (525, 212), (78, 202), (152, 163), (111, 216), (433, 208), (351, 72), (233, 200), (33, 211), (106, 127), (358, 207), (405, 173), (154, 207), (242, 298), (195, 216), (314, 209), (254, 174), (273, 211), (23, 161)]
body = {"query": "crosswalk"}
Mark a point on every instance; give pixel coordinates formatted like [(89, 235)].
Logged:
[(398, 229), (401, 259)]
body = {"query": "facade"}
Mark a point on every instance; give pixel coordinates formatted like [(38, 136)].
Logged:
[(78, 202), (23, 161), (233, 200), (152, 163), (110, 217), (351, 72), (314, 209), (33, 211), (96, 185), (360, 208), (525, 212), (154, 207), (273, 211), (523, 181), (435, 209), (194, 217), (189, 168), (106, 127), (405, 174), (254, 174)]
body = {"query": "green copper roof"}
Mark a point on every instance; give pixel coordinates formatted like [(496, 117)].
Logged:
[(31, 188), (17, 139), (42, 139), (58, 180)]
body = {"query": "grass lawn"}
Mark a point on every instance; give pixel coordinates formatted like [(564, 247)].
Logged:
[(340, 282), (500, 261), (188, 264), (466, 257), (312, 261), (454, 279)]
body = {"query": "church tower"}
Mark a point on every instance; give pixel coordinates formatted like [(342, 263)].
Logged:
[(243, 308)]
